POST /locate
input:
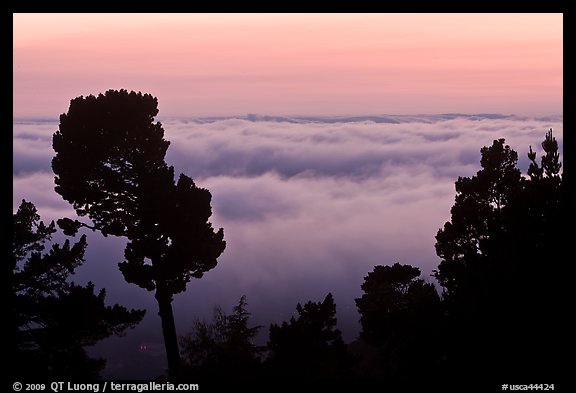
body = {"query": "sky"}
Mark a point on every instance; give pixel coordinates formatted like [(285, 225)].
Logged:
[(330, 143), (293, 64)]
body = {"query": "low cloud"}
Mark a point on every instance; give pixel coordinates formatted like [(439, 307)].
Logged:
[(240, 147), (308, 205), (32, 146)]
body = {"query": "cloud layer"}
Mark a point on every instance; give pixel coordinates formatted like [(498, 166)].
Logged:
[(308, 205)]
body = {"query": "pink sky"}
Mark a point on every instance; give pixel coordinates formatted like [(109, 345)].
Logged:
[(307, 64)]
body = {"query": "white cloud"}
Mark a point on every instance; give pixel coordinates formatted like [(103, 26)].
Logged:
[(238, 147)]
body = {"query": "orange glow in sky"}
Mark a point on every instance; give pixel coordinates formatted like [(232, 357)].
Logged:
[(306, 64)]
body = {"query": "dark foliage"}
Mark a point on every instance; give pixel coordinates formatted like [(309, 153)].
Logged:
[(401, 316), (109, 165), (501, 256), (223, 347), (54, 319), (309, 346)]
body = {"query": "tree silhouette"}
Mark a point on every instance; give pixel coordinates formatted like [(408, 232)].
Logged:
[(477, 218), (401, 316), (53, 319), (223, 347), (500, 261), (109, 165), (309, 346)]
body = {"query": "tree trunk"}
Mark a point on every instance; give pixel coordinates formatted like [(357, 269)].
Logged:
[(168, 329)]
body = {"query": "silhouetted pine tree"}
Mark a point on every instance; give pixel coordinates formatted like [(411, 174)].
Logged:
[(109, 165)]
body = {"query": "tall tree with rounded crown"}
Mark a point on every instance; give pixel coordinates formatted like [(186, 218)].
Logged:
[(109, 165)]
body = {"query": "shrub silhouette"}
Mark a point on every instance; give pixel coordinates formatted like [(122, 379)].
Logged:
[(309, 346), (401, 316), (224, 346)]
